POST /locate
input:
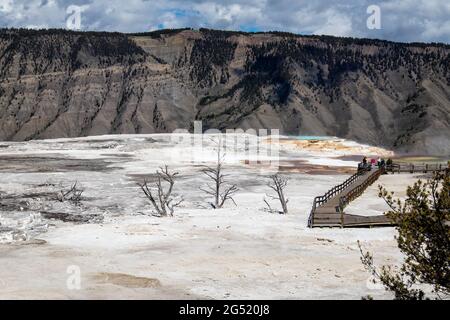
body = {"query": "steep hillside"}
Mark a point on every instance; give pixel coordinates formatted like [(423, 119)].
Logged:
[(58, 83)]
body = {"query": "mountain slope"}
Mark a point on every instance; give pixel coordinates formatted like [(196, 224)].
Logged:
[(64, 84)]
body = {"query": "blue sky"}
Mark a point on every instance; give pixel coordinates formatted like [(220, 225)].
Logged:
[(401, 20)]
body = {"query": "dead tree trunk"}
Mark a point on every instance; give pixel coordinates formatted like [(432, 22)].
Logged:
[(278, 183), (163, 202), (218, 189)]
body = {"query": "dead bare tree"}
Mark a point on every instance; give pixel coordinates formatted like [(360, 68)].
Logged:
[(74, 194), (219, 189), (278, 183), (163, 202)]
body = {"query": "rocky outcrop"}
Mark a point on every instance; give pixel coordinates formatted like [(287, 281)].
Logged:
[(58, 83)]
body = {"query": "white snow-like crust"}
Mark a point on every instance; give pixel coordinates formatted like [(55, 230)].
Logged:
[(238, 252)]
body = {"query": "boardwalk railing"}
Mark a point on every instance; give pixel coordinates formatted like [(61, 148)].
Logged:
[(415, 167), (331, 212), (320, 200), (352, 193), (357, 191)]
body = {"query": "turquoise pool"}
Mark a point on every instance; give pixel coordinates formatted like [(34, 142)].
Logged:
[(312, 137)]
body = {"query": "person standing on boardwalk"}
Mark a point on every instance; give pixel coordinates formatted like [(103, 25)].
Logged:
[(373, 162), (364, 165)]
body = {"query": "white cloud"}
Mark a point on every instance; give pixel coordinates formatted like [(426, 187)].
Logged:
[(436, 30), (325, 22), (227, 16), (337, 24), (6, 6)]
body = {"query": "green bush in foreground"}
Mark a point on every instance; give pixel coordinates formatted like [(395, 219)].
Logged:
[(423, 237)]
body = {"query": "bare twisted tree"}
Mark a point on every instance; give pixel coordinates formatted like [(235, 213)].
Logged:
[(278, 183), (219, 189), (163, 202)]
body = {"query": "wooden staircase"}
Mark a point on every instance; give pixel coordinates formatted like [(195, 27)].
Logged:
[(328, 210)]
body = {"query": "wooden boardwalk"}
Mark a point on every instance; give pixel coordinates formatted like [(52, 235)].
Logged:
[(328, 210), (416, 167)]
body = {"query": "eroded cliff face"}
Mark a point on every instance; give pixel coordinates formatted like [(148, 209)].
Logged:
[(65, 84)]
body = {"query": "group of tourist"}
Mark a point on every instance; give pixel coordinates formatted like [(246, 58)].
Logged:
[(367, 165)]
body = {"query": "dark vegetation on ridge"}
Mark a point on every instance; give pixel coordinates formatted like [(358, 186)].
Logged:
[(58, 83)]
